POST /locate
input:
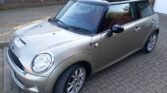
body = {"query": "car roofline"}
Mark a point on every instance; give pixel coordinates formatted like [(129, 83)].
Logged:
[(125, 1), (105, 2)]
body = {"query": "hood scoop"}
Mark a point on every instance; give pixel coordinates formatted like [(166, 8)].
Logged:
[(19, 42)]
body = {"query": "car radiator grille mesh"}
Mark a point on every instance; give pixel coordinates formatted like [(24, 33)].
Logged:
[(15, 59)]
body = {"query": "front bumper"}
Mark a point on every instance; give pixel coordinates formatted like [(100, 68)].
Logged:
[(25, 80)]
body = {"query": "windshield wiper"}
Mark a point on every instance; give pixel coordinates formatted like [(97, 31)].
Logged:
[(59, 21), (79, 28), (67, 26)]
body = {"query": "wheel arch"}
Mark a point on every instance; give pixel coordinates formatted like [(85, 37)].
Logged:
[(147, 36), (85, 60)]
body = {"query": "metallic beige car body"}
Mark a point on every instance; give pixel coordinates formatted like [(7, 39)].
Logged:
[(71, 48)]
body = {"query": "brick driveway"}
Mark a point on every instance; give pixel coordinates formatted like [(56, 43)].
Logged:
[(139, 73)]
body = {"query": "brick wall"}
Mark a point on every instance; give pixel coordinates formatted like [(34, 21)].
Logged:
[(37, 1), (30, 1), (33, 3), (7, 4), (25, 2)]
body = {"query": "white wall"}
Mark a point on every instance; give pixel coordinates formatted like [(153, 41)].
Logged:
[(160, 6)]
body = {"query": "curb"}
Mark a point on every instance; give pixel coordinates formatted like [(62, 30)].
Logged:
[(3, 44)]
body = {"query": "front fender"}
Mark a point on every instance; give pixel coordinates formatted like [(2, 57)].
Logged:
[(60, 68)]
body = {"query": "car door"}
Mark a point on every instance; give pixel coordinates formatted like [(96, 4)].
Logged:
[(119, 45), (145, 19)]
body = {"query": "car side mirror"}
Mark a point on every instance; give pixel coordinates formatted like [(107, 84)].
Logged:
[(115, 29)]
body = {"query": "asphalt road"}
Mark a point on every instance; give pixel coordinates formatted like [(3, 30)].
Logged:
[(139, 73)]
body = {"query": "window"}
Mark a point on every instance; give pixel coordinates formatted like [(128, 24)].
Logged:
[(118, 14), (81, 15), (144, 9)]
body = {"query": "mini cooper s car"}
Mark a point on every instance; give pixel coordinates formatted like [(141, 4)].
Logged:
[(86, 36)]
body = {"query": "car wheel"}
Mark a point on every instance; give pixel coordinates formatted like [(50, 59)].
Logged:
[(151, 43), (72, 80)]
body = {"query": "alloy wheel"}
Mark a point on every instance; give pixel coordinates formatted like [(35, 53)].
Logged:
[(76, 80), (152, 42)]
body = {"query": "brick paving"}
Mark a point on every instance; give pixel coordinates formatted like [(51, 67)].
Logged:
[(139, 73)]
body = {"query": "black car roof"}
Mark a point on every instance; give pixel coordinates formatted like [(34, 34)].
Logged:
[(108, 2)]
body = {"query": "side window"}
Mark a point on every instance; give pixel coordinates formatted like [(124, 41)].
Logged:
[(118, 14), (144, 9)]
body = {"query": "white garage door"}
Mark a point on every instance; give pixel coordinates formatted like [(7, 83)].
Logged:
[(160, 6)]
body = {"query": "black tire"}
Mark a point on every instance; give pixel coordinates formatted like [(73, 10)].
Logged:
[(61, 84), (145, 48)]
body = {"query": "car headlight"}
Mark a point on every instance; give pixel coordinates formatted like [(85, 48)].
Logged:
[(42, 62)]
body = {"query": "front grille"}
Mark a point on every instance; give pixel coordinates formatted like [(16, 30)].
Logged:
[(15, 59)]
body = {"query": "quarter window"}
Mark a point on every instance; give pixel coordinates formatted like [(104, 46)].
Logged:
[(144, 9), (118, 14)]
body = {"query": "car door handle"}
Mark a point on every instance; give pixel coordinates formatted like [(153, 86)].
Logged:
[(137, 29)]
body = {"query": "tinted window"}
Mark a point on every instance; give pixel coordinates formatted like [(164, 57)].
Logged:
[(144, 9), (118, 14)]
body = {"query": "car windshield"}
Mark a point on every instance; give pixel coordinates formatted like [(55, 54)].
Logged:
[(83, 16)]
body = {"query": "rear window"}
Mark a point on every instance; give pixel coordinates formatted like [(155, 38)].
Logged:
[(144, 9)]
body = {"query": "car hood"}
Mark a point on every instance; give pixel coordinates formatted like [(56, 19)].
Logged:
[(44, 34)]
